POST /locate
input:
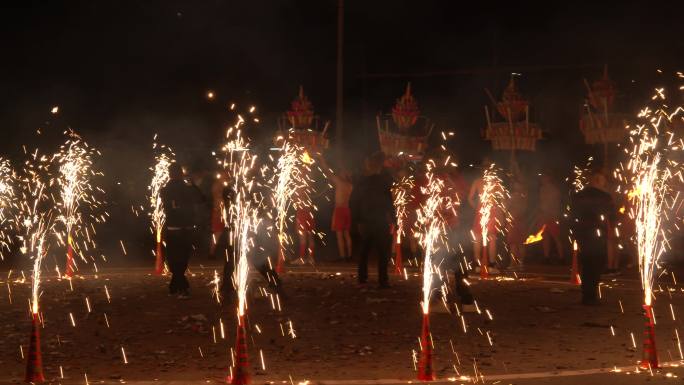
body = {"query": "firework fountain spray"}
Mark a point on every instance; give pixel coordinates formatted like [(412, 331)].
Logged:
[(75, 170), (650, 174), (401, 193), (35, 220), (431, 228), (160, 177), (8, 204), (243, 219), (579, 182), (491, 208), (291, 183)]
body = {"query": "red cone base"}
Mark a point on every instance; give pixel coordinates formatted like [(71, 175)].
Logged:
[(159, 263), (398, 265), (425, 372), (70, 261), (574, 273), (34, 363), (280, 266), (650, 355), (240, 374), (484, 263)]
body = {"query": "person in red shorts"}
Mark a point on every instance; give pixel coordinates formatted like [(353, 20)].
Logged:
[(305, 231), (341, 219)]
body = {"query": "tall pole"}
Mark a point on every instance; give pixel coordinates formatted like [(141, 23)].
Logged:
[(340, 72)]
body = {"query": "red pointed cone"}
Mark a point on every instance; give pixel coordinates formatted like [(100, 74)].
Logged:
[(398, 264), (240, 370), (574, 273), (70, 259), (425, 372), (650, 355), (34, 362), (484, 263), (159, 262)]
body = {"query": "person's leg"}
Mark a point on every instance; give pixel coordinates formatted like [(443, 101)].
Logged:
[(363, 257), (341, 249), (384, 248), (477, 252), (184, 258), (302, 244), (492, 249), (348, 243), (311, 246), (462, 290), (559, 247), (171, 260), (270, 275), (546, 246)]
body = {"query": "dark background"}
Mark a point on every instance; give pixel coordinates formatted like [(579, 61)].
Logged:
[(121, 71)]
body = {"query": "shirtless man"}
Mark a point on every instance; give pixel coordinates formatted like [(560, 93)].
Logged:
[(341, 219)]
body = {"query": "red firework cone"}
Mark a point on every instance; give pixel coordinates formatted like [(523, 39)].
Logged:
[(240, 374), (34, 363), (650, 356), (280, 266), (398, 265), (70, 259), (425, 372), (574, 272), (159, 263), (484, 263)]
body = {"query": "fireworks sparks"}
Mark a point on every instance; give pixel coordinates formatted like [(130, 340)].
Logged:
[(35, 218), (291, 187), (401, 193), (75, 172), (492, 199), (7, 204), (160, 177), (432, 228), (650, 174)]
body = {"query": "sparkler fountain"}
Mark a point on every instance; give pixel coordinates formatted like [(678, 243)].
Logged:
[(401, 193), (159, 179), (650, 174), (432, 230), (244, 220), (490, 211), (35, 220), (75, 168), (7, 203), (287, 176)]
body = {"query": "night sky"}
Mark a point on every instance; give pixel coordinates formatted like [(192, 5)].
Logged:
[(123, 70)]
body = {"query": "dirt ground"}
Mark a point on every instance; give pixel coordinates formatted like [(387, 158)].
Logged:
[(329, 328)]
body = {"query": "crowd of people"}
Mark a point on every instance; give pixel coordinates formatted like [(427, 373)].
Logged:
[(364, 211)]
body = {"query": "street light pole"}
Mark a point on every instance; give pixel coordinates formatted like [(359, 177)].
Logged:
[(340, 73)]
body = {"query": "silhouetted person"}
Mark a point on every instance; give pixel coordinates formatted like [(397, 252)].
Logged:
[(373, 215), (592, 210), (182, 202)]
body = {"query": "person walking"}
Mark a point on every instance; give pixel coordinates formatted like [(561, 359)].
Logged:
[(373, 215), (182, 202), (592, 210)]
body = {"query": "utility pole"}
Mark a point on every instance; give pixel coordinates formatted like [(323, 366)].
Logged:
[(340, 71)]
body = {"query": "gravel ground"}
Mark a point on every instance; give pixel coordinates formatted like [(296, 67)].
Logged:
[(329, 328)]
